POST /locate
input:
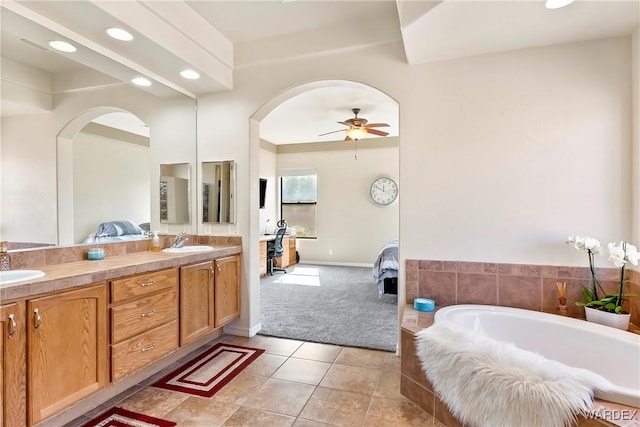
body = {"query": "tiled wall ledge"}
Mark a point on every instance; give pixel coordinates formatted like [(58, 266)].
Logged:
[(527, 286), (53, 255)]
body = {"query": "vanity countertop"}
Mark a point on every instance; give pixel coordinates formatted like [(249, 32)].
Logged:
[(79, 273)]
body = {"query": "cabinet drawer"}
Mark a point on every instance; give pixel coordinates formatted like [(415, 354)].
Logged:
[(141, 350), (142, 284), (142, 314)]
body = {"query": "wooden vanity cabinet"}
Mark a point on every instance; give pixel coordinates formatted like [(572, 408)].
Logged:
[(66, 349), (144, 320), (13, 389), (209, 296), (227, 290), (196, 301)]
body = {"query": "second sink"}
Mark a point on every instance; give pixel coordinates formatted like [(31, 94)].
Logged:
[(187, 249), (14, 276)]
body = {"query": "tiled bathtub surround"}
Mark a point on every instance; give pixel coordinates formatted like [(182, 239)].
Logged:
[(33, 258), (527, 286), (415, 386)]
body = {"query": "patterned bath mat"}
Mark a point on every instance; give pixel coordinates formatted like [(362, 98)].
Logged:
[(118, 417), (208, 373)]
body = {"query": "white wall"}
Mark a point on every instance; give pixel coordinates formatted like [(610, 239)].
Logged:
[(112, 182), (270, 214), (350, 224), (501, 156), (520, 150)]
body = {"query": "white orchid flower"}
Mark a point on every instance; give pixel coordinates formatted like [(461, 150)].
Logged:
[(592, 244), (616, 254), (582, 243), (632, 254)]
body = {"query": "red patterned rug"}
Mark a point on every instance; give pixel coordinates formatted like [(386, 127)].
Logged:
[(118, 417), (208, 373)]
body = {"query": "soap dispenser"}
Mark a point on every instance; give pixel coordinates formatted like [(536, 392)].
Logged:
[(5, 258), (155, 242)]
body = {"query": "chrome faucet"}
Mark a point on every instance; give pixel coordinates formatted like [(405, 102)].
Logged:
[(178, 242)]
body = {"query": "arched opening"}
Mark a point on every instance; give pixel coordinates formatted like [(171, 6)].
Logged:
[(93, 150), (257, 221)]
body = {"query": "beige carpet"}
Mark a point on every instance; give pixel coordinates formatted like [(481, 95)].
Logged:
[(329, 304)]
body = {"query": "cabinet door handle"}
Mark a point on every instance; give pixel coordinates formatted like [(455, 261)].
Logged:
[(12, 326), (211, 270), (149, 283), (37, 319), (218, 268), (148, 314), (147, 348)]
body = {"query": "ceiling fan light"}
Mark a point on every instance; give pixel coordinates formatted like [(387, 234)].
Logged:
[(356, 132), (556, 4)]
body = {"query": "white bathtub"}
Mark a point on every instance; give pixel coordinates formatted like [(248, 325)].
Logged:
[(610, 352)]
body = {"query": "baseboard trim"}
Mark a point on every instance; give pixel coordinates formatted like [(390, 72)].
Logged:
[(340, 264), (242, 332)]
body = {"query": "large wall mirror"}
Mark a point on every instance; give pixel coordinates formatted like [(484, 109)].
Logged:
[(218, 192), (62, 156), (175, 194)]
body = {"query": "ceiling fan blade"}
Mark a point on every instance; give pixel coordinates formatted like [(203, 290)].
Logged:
[(323, 134), (377, 125), (346, 123), (377, 132)]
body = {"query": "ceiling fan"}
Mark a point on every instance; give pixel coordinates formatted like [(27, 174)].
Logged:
[(358, 127)]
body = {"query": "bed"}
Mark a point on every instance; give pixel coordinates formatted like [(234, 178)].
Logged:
[(118, 231), (385, 269)]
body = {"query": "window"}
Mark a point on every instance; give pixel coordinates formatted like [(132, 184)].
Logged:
[(299, 195)]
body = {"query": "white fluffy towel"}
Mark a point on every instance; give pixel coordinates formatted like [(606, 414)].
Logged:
[(486, 382)]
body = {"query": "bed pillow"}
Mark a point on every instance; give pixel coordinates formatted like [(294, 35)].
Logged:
[(118, 228)]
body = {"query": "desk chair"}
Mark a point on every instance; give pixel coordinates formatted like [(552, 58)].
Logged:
[(275, 250)]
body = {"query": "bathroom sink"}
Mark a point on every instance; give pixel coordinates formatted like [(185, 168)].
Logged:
[(188, 249), (14, 276)]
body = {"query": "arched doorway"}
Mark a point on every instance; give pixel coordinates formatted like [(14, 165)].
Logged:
[(256, 222), (69, 231)]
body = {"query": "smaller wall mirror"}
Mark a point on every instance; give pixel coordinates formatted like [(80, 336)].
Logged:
[(218, 192), (174, 193)]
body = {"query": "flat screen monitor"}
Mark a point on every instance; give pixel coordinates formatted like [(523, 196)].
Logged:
[(263, 191)]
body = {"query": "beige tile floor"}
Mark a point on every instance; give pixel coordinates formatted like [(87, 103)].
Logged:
[(294, 383)]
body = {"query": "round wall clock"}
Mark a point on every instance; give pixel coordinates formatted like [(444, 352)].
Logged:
[(383, 191)]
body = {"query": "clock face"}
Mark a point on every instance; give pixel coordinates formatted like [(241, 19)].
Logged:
[(383, 191)]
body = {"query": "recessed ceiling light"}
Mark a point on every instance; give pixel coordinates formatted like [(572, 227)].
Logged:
[(190, 74), (62, 46), (141, 81), (556, 4), (120, 34)]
